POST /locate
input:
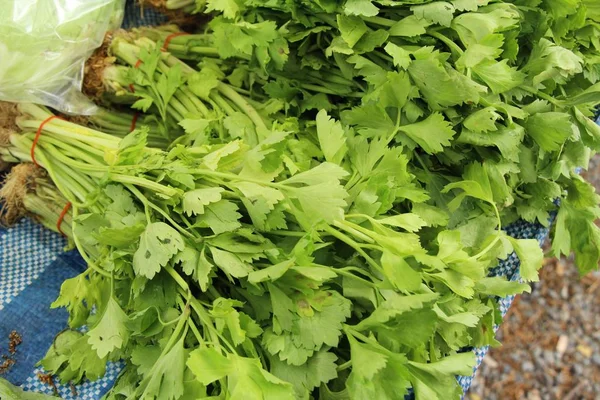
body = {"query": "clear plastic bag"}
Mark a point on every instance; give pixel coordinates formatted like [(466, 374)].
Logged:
[(44, 45)]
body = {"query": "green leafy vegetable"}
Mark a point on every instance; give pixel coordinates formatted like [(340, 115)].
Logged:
[(324, 219)]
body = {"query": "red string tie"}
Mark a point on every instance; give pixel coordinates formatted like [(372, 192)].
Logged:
[(62, 216), (165, 45), (37, 137), (134, 122), (137, 64)]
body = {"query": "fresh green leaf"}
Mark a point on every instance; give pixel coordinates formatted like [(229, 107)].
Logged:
[(158, 244)]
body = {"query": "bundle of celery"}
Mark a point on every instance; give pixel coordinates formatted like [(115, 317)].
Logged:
[(27, 190), (526, 124), (519, 50), (119, 123), (265, 262), (157, 80), (139, 69)]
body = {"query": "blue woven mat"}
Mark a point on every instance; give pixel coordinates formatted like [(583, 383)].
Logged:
[(33, 265)]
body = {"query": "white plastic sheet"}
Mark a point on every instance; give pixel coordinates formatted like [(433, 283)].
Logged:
[(44, 45)]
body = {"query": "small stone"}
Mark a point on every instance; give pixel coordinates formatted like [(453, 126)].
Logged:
[(596, 359), (586, 362), (564, 293), (549, 356), (542, 301), (490, 362), (527, 366), (586, 351), (534, 395), (562, 344)]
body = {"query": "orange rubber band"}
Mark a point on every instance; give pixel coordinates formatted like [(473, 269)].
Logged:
[(165, 45), (134, 122), (137, 64), (37, 137), (62, 216)]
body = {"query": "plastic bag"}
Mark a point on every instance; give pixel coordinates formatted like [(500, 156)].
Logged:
[(44, 45)]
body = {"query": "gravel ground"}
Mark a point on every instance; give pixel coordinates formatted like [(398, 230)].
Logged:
[(551, 338)]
